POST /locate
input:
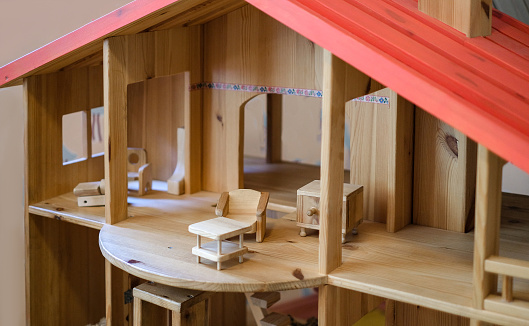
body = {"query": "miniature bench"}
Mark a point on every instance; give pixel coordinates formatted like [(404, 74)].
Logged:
[(219, 229), (187, 307)]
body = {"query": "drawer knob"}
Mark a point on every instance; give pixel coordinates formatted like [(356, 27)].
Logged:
[(312, 211)]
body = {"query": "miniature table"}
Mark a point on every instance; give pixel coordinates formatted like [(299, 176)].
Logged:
[(219, 229)]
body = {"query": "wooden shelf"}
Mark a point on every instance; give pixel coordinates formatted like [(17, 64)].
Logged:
[(64, 208), (418, 265)]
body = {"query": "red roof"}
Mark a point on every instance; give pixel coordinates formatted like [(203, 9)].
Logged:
[(480, 85)]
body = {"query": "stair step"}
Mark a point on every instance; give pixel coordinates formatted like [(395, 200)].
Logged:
[(265, 299)]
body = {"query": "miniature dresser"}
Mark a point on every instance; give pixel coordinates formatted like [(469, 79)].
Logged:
[(308, 202)]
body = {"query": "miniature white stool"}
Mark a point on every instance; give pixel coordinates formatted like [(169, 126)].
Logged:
[(219, 229), (188, 307)]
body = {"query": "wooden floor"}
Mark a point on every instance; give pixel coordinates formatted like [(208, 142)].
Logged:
[(417, 265), (281, 180)]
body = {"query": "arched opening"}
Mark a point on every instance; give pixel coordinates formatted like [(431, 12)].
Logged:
[(282, 145)]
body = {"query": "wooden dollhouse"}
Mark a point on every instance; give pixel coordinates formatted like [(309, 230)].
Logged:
[(393, 68)]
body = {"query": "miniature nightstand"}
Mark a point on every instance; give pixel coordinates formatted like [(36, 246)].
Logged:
[(308, 202), (219, 229)]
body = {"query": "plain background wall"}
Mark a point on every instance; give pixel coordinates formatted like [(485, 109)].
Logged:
[(25, 26)]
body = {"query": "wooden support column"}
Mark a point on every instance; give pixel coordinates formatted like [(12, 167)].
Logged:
[(487, 228), (274, 112), (333, 120), (115, 124), (472, 17)]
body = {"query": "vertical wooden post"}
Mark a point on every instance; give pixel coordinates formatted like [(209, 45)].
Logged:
[(274, 111), (333, 121), (115, 121), (472, 17), (486, 234)]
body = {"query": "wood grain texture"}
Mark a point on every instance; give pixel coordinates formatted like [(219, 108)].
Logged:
[(488, 209), (404, 314), (134, 58), (382, 157), (444, 175), (246, 46), (419, 265), (155, 111), (76, 297), (65, 208), (47, 99), (339, 306), (471, 17), (332, 156), (151, 242)]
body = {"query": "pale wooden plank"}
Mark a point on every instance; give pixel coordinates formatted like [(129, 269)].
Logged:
[(507, 266), (516, 308), (382, 157), (333, 123), (65, 208), (471, 17), (176, 299), (115, 119), (487, 223), (444, 175)]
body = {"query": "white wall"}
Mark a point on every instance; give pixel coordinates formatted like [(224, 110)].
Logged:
[(25, 26)]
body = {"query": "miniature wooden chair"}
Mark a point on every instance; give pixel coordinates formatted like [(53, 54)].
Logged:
[(139, 169), (188, 307), (245, 205)]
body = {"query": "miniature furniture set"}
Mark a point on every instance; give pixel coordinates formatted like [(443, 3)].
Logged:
[(240, 211), (432, 117)]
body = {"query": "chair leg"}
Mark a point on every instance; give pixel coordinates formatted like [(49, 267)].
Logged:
[(137, 312)]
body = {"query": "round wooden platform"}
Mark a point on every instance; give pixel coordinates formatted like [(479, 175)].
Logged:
[(154, 244)]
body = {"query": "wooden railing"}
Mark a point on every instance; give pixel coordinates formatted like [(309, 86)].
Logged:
[(507, 268)]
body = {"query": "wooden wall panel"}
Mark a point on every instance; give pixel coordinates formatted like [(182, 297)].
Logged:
[(444, 175), (135, 58), (263, 52), (66, 273), (48, 98), (155, 112), (338, 306), (382, 157), (403, 314)]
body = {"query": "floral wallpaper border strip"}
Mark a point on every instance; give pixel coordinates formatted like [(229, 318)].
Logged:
[(281, 90)]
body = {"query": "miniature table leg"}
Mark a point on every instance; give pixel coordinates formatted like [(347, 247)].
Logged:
[(240, 246), (219, 252), (198, 246), (302, 232)]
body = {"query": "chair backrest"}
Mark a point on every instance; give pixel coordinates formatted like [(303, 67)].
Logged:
[(243, 202), (136, 158)]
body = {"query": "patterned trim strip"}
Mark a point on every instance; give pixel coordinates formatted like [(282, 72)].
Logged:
[(372, 99), (280, 90)]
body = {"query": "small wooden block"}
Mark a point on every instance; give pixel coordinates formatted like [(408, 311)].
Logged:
[(87, 189), (275, 319), (89, 201), (265, 299), (209, 251), (172, 298)]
